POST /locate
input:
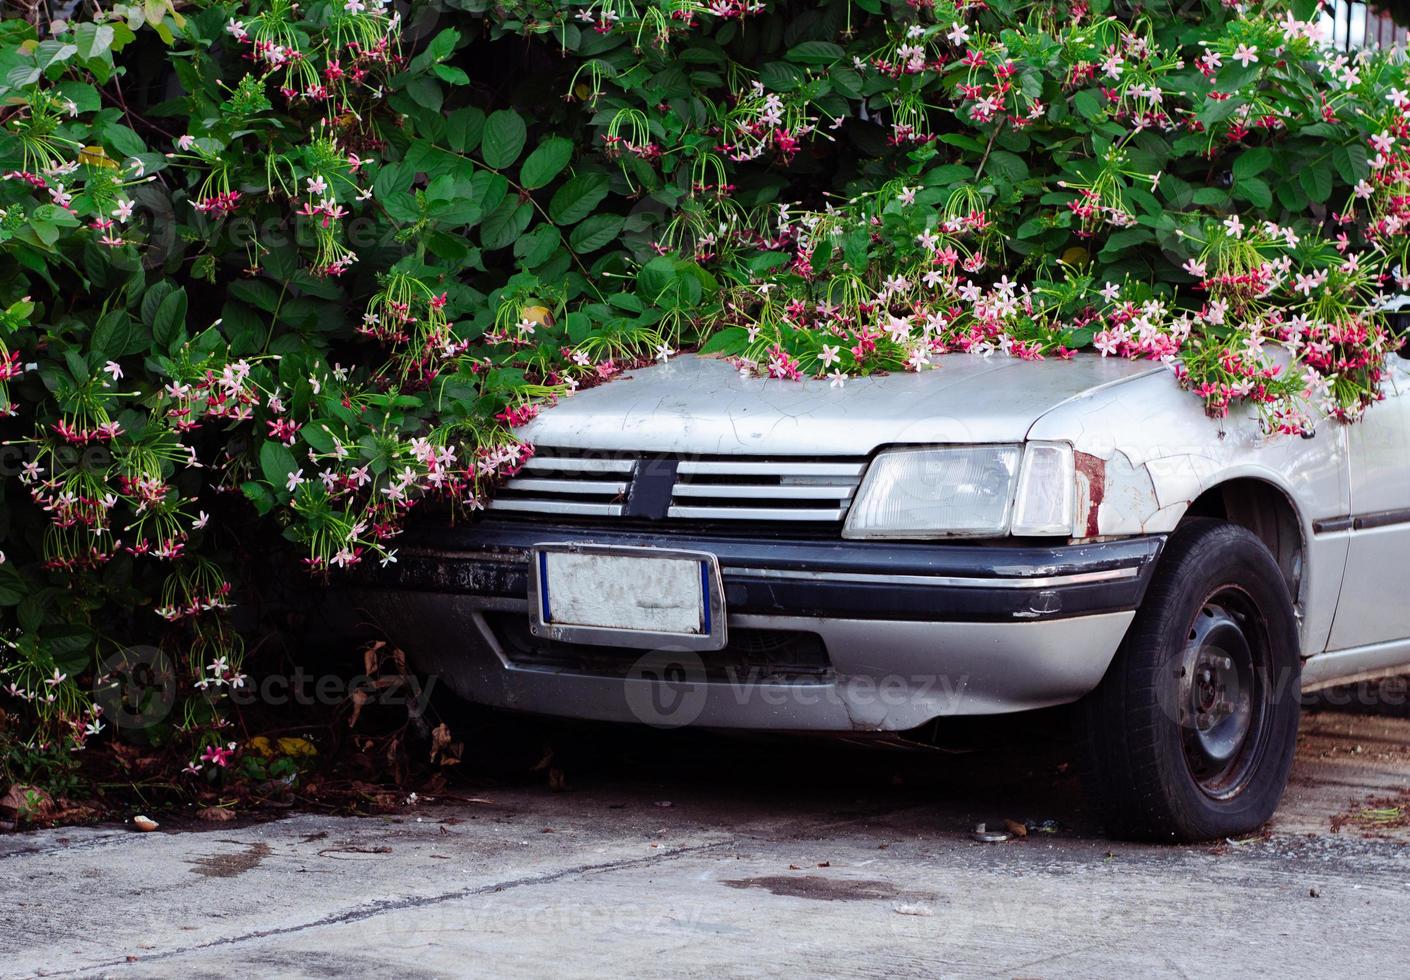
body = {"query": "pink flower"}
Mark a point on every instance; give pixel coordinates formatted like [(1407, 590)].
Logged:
[(218, 756)]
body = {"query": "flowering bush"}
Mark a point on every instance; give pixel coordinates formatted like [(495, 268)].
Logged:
[(306, 264)]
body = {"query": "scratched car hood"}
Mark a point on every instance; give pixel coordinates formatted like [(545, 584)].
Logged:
[(699, 404)]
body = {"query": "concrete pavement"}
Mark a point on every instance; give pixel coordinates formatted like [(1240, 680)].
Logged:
[(771, 859)]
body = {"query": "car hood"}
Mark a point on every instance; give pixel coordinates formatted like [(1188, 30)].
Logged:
[(701, 405)]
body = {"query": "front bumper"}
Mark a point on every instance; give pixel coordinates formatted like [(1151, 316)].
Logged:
[(825, 635)]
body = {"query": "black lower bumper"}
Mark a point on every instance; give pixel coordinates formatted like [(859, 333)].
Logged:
[(972, 582)]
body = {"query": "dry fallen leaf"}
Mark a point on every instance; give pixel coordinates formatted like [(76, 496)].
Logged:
[(370, 658), (215, 814), (909, 909), (1016, 828), (144, 823)]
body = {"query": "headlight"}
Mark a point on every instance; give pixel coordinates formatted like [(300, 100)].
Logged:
[(965, 491), (1047, 490)]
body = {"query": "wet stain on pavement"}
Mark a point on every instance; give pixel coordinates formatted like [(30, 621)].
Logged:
[(820, 888), (231, 864)]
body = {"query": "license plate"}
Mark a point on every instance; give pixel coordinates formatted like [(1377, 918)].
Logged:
[(635, 597)]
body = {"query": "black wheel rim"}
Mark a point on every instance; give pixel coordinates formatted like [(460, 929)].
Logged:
[(1223, 697)]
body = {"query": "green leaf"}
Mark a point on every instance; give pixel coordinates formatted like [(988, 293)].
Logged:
[(93, 40), (1008, 165), (1255, 190), (780, 76), (815, 53), (503, 139), (153, 297), (578, 197), (12, 585), (1352, 162), (451, 74), (546, 162), (464, 127), (731, 340), (259, 495), (111, 334), (1089, 103), (123, 139), (505, 224), (1316, 182), (1253, 162), (276, 462), (257, 293), (537, 246), (169, 323), (595, 232)]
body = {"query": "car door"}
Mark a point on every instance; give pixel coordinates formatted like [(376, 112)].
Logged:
[(1375, 594)]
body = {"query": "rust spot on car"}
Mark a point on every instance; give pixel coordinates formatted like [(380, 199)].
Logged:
[(1092, 470)]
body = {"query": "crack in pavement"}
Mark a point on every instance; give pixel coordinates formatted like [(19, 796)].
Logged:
[(362, 913)]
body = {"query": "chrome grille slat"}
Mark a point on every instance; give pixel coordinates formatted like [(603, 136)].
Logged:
[(539, 506), (755, 513), (771, 467), (529, 485), (763, 491), (585, 465), (556, 482)]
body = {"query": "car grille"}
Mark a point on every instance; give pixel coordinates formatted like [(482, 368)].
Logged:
[(705, 488)]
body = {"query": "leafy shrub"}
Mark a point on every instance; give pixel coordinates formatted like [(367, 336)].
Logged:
[(304, 265)]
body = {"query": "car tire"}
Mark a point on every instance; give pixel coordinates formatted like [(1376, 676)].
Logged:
[(1191, 734)]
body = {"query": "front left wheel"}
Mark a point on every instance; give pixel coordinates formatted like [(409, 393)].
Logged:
[(1191, 734)]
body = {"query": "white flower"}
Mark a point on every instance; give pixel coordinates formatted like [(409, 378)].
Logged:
[(1234, 226), (185, 142), (1246, 54), (838, 379), (295, 478), (123, 211), (200, 521), (959, 34), (113, 368), (663, 353), (316, 185), (354, 6)]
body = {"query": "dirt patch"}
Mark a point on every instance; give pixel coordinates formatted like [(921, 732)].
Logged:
[(820, 888), (232, 864), (1376, 817)]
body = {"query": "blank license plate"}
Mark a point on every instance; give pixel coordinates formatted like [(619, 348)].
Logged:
[(605, 595)]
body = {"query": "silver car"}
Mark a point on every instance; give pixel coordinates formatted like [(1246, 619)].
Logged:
[(693, 546)]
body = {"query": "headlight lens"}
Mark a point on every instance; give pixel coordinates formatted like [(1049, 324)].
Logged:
[(966, 491), (958, 490), (1047, 490)]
